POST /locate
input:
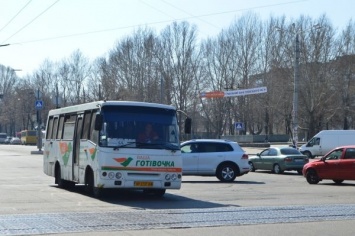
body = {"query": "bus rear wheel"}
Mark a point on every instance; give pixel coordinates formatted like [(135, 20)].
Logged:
[(58, 178), (62, 183)]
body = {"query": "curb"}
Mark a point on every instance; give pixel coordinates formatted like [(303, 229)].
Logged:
[(261, 145), (37, 152)]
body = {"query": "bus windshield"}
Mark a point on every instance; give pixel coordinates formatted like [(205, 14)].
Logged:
[(138, 126)]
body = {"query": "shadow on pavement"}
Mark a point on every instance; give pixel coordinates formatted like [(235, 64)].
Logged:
[(138, 199)]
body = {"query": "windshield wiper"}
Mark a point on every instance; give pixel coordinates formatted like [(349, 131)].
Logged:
[(123, 145), (162, 145), (170, 146)]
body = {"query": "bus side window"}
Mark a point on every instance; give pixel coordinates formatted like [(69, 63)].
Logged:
[(55, 128), (86, 128), (68, 132), (94, 134), (50, 127), (60, 127), (69, 124)]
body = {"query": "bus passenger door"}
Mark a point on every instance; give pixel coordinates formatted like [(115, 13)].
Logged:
[(76, 148)]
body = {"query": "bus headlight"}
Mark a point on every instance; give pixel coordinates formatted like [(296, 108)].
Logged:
[(167, 177), (111, 175), (173, 177), (118, 175)]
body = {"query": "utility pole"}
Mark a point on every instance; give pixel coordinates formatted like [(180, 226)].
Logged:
[(295, 90), (39, 131), (99, 92), (56, 96), (38, 106), (162, 90), (296, 81)]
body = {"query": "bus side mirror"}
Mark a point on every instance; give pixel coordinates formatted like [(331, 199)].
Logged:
[(187, 125), (98, 122)]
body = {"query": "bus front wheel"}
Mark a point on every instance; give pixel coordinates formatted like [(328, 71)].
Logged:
[(90, 185), (58, 177)]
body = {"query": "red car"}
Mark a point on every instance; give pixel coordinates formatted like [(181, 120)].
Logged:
[(337, 165)]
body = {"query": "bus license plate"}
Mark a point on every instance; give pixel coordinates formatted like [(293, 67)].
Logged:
[(143, 184)]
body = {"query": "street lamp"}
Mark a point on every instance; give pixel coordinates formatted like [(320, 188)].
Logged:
[(296, 82), (15, 111), (295, 90)]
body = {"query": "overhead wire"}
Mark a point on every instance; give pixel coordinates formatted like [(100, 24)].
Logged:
[(182, 10), (162, 12), (150, 23), (32, 20), (16, 15)]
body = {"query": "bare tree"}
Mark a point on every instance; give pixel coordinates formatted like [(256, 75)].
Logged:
[(315, 84), (272, 111), (79, 70), (220, 65), (63, 75), (24, 104), (130, 72), (178, 61), (97, 74), (246, 34), (172, 68), (343, 73), (8, 81)]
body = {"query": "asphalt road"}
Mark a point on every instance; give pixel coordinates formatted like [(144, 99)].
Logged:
[(258, 203)]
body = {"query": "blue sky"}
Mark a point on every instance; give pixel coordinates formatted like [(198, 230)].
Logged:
[(53, 29)]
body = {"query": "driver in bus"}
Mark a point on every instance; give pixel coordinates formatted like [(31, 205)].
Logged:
[(148, 135)]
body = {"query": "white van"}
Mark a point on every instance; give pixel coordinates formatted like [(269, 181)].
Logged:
[(326, 140)]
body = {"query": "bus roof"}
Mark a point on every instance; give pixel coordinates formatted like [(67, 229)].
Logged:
[(97, 104)]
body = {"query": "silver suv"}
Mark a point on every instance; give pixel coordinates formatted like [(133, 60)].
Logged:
[(214, 157)]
